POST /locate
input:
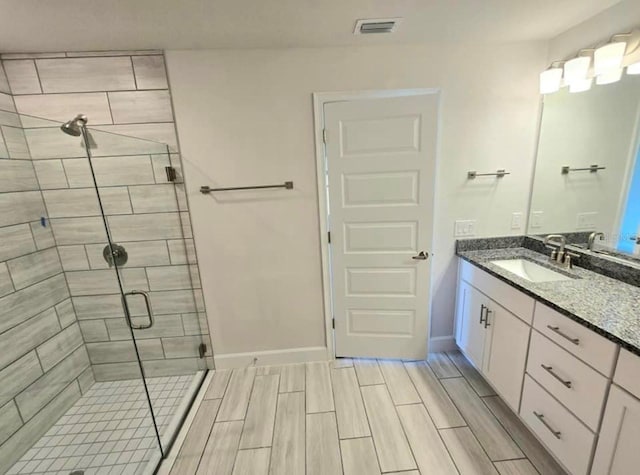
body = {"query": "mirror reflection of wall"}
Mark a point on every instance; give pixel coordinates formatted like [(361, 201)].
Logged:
[(597, 127)]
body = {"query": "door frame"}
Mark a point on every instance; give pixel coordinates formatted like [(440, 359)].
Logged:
[(319, 101)]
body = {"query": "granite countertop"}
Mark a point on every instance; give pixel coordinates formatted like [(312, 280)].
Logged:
[(607, 306)]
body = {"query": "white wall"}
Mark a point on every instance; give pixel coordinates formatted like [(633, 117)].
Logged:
[(245, 117), (620, 18)]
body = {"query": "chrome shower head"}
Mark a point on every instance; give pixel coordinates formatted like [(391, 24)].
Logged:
[(74, 126)]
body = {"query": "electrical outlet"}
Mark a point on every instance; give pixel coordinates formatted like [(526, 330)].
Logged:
[(516, 220), (536, 219), (586, 221), (465, 228)]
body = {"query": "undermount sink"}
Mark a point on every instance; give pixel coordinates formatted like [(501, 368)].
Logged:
[(530, 270)]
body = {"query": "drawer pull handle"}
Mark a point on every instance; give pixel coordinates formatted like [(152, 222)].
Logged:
[(486, 318), (575, 341), (482, 307), (549, 369), (556, 433)]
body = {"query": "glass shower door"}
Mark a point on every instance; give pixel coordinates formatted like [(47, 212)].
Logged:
[(150, 247)]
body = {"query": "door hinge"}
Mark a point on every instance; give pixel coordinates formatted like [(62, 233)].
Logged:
[(202, 350), (171, 173), (324, 135), (329, 236), (333, 323)]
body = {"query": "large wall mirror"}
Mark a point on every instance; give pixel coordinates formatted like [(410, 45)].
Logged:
[(587, 174)]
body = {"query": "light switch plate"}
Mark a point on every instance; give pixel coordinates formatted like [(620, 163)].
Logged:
[(536, 219), (465, 228), (516, 220)]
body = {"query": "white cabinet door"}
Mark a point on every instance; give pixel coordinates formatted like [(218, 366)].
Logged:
[(471, 332), (618, 451), (506, 354)]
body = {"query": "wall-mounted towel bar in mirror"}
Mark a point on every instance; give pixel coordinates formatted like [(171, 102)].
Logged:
[(592, 169), (287, 185), (498, 173)]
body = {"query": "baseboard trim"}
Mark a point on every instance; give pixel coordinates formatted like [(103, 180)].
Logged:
[(272, 357), (442, 343)]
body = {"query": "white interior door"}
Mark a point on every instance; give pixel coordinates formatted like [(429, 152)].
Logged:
[(381, 165)]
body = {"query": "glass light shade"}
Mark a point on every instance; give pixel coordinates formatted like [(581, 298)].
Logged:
[(550, 80), (608, 57), (634, 68), (610, 77), (581, 86), (576, 69)]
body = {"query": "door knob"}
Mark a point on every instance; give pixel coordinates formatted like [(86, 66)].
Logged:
[(423, 256)]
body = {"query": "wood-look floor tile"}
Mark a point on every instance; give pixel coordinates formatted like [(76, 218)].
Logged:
[(220, 452), (391, 444), (218, 384), (398, 382), (288, 450), (252, 462), (442, 366), (342, 363), (318, 391), (490, 433), (533, 449), (292, 378), (471, 374), (352, 418), (368, 372), (428, 449), (266, 370), (516, 467), (323, 449), (194, 443), (410, 472), (236, 398), (438, 403), (258, 425), (467, 452), (359, 457)]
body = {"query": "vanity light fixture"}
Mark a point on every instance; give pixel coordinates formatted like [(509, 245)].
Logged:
[(581, 85), (551, 80), (577, 69), (610, 77), (609, 57)]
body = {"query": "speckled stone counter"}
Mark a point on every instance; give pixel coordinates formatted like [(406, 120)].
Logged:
[(607, 306)]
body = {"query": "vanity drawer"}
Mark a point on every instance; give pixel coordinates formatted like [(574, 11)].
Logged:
[(564, 435), (513, 300), (579, 387), (587, 345), (628, 372)]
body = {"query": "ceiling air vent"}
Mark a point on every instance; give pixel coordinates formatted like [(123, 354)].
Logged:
[(381, 25)]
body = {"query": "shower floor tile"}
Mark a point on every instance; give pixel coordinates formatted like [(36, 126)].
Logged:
[(109, 430)]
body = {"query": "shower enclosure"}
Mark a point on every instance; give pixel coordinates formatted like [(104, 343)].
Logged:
[(109, 336)]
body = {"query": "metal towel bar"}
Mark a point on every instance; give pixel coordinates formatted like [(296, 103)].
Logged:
[(499, 173), (287, 185), (593, 169)]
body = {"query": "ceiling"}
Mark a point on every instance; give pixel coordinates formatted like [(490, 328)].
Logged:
[(36, 25)]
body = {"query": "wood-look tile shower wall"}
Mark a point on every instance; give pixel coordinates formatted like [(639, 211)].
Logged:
[(121, 93), (44, 365)]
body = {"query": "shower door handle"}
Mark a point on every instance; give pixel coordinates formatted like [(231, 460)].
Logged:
[(147, 303)]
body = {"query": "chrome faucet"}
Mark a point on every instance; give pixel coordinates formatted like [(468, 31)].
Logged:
[(560, 255), (592, 238), (557, 254)]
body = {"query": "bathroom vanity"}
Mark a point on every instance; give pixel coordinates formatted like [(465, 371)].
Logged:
[(561, 347)]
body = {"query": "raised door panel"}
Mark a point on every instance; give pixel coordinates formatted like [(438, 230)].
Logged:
[(506, 354), (618, 446)]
